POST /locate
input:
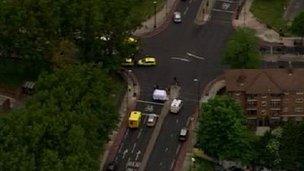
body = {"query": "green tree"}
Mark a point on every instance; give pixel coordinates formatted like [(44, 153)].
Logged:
[(297, 26), (222, 132), (64, 125), (291, 147), (242, 50)]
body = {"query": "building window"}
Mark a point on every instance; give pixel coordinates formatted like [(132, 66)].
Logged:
[(275, 104), (286, 93), (264, 96), (251, 96), (252, 112), (274, 113), (263, 112), (299, 100), (237, 94), (300, 93), (299, 109), (264, 103)]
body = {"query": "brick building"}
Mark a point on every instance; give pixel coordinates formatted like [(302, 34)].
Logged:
[(268, 96)]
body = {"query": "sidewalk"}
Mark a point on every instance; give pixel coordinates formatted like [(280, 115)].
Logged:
[(127, 105), (163, 17), (247, 19)]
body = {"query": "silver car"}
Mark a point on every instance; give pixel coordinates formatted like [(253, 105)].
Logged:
[(151, 120), (177, 17)]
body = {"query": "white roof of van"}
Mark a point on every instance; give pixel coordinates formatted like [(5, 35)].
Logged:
[(176, 102)]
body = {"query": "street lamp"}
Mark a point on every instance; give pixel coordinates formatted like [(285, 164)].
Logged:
[(198, 94), (154, 2)]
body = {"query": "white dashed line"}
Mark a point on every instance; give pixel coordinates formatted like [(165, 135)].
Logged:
[(186, 10), (195, 56), (178, 148), (133, 148), (172, 164), (219, 10), (139, 134), (181, 59)]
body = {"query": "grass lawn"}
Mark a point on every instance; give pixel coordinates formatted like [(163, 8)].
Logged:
[(271, 13), (203, 165), (146, 7)]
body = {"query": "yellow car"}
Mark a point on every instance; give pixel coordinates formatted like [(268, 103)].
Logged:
[(147, 61), (127, 62)]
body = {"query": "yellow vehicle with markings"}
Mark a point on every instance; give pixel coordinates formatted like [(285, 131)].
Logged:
[(134, 119)]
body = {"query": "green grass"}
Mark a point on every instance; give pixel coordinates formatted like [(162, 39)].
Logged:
[(202, 165), (146, 7), (271, 13)]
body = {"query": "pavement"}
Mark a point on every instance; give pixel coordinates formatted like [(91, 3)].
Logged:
[(293, 9)]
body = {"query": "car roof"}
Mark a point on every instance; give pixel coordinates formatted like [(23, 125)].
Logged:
[(183, 131), (176, 102), (149, 58)]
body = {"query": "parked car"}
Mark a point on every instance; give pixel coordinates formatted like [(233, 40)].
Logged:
[(152, 118), (183, 134), (177, 17), (128, 62), (147, 61), (176, 105)]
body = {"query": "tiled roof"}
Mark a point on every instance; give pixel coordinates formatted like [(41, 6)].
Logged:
[(260, 81)]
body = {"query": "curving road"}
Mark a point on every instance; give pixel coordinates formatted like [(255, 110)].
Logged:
[(185, 51)]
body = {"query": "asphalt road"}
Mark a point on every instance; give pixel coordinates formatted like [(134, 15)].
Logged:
[(185, 51), (134, 142), (188, 52)]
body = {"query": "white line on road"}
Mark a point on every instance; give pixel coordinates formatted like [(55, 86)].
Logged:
[(139, 134), (228, 1), (186, 10), (195, 56), (166, 149), (124, 153), (134, 145), (178, 148), (126, 134), (219, 10), (137, 155), (145, 120), (143, 101), (120, 148), (181, 59), (172, 164), (176, 120)]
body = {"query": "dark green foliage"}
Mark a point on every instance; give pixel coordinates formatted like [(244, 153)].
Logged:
[(297, 26), (64, 125), (242, 50), (33, 29), (222, 131)]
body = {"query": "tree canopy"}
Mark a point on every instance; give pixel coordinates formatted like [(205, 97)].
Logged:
[(222, 132), (297, 26), (242, 50), (64, 125), (34, 30)]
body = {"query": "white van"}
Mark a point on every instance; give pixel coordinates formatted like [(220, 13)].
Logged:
[(160, 95), (176, 105)]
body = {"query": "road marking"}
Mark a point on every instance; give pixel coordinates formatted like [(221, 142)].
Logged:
[(176, 120), (181, 59), (228, 1), (219, 10), (160, 163), (225, 6), (126, 134), (145, 120), (195, 56), (139, 134), (137, 155), (186, 10), (172, 164), (124, 153), (178, 148), (134, 145), (171, 135), (166, 149), (155, 103), (120, 148)]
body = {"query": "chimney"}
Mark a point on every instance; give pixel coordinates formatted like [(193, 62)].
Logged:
[(290, 69)]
